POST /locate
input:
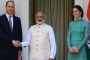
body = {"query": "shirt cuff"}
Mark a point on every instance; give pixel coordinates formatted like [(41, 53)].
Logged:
[(52, 57), (22, 44)]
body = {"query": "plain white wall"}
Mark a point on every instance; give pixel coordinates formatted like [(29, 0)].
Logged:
[(22, 11), (84, 5), (2, 6), (79, 2), (25, 21)]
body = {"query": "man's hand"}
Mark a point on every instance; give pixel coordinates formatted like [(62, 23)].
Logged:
[(50, 58), (16, 43)]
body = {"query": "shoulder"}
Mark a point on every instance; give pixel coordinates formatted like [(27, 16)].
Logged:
[(47, 25), (49, 28), (32, 27), (71, 22), (85, 22), (16, 18), (3, 16)]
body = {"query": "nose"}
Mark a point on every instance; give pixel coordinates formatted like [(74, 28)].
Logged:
[(39, 18), (10, 7)]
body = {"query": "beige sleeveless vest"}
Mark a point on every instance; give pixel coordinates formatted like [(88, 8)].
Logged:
[(39, 44)]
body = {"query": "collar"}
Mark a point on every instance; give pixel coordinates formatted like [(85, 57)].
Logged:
[(8, 15), (40, 24)]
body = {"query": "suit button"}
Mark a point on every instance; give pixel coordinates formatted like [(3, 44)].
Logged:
[(36, 45), (38, 31)]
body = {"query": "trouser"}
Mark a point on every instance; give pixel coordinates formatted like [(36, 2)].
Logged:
[(9, 56)]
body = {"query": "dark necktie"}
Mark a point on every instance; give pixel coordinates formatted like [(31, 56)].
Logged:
[(10, 23)]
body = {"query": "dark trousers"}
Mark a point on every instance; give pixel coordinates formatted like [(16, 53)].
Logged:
[(9, 56), (88, 52)]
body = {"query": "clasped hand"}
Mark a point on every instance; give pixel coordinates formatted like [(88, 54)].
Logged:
[(16, 43), (74, 50)]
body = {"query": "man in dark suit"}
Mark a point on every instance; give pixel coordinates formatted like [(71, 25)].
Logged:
[(10, 31)]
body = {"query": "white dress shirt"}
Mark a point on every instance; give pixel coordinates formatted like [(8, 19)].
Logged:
[(52, 42)]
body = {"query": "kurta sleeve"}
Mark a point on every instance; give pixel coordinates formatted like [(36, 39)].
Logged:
[(68, 37), (52, 43), (86, 35), (27, 41)]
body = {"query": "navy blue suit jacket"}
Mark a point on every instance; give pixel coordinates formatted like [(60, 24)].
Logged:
[(6, 35)]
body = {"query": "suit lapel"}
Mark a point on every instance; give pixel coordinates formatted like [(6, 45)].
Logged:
[(13, 23), (7, 23)]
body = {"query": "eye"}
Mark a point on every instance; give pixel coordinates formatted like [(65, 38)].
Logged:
[(37, 17), (41, 16), (76, 11), (12, 6), (8, 6)]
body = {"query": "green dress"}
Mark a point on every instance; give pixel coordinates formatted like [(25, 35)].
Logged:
[(77, 36)]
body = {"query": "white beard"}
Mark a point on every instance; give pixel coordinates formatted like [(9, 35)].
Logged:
[(40, 22)]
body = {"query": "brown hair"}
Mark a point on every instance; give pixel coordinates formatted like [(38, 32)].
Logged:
[(10, 1), (79, 8)]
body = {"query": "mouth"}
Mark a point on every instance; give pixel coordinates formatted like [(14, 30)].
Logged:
[(39, 20)]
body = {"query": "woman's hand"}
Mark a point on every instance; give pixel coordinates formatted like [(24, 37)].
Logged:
[(71, 50), (76, 50)]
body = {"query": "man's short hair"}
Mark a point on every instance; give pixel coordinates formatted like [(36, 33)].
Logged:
[(41, 13), (10, 1)]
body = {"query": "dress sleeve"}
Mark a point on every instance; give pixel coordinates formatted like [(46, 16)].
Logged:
[(86, 36), (68, 36)]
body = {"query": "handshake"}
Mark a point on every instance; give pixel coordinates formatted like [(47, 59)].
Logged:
[(16, 43)]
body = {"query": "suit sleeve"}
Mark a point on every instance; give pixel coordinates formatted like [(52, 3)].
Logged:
[(20, 33)]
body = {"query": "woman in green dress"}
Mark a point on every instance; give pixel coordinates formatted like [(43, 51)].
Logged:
[(77, 35)]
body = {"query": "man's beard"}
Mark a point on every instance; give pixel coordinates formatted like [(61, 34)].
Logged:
[(39, 22)]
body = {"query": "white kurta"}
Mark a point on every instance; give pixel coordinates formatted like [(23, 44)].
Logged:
[(42, 42)]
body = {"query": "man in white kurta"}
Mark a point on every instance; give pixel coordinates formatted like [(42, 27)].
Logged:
[(41, 39)]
